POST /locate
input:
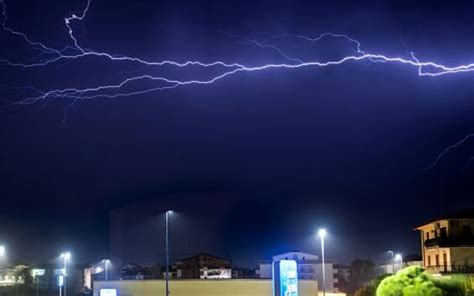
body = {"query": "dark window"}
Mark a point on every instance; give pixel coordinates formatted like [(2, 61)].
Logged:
[(466, 230), (445, 259), (427, 235), (437, 260), (429, 260), (444, 233)]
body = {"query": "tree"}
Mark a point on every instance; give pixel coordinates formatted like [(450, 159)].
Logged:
[(361, 274), (414, 281)]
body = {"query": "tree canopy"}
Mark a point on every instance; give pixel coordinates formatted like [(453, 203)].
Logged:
[(414, 281)]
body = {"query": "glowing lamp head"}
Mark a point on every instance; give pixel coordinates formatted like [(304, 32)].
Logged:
[(398, 257), (66, 255), (2, 251), (322, 233), (169, 212)]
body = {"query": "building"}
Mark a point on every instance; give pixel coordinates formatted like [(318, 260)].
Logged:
[(342, 273), (309, 268), (390, 267), (413, 260), (244, 273), (197, 287), (447, 243), (12, 275), (203, 266)]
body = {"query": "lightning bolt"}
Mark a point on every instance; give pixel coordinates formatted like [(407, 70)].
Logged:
[(49, 55), (224, 69), (448, 149)]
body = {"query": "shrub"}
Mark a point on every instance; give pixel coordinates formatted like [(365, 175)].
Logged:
[(414, 281)]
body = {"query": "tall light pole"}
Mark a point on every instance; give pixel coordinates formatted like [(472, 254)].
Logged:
[(399, 258), (65, 256), (393, 260), (167, 251), (106, 262), (322, 234), (3, 253)]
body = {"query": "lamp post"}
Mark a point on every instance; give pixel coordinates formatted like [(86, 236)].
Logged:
[(167, 251), (393, 260), (399, 258), (322, 234), (106, 262), (65, 256), (2, 254)]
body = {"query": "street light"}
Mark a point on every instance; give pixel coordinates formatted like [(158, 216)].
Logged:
[(3, 253), (66, 257), (393, 260), (106, 262), (167, 251), (399, 258), (322, 234)]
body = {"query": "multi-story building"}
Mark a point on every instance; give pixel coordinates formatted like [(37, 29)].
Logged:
[(203, 266), (309, 268), (12, 275), (342, 273), (447, 243)]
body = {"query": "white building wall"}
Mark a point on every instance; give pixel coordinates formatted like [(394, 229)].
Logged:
[(265, 271), (330, 276)]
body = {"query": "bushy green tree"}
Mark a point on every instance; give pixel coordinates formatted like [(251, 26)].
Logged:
[(414, 281)]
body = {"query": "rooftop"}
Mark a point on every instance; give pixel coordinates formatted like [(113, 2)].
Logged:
[(462, 214)]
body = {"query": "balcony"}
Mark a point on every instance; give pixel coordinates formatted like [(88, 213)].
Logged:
[(446, 242)]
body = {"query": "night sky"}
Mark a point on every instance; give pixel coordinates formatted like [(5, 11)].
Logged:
[(264, 158)]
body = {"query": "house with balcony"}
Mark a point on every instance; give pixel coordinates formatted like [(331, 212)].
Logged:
[(447, 243)]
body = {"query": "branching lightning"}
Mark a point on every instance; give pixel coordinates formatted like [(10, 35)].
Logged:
[(49, 55), (449, 149)]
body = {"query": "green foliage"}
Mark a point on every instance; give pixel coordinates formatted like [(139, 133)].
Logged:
[(414, 281), (366, 291), (371, 288)]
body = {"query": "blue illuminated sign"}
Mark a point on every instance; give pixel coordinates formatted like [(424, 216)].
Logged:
[(285, 278)]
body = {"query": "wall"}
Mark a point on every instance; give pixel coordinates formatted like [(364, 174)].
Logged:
[(329, 272), (265, 270), (462, 256), (200, 288)]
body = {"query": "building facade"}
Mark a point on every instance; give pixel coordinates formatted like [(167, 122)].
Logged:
[(309, 268), (203, 266), (239, 287), (447, 243)]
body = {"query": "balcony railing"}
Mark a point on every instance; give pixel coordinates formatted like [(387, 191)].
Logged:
[(443, 269), (450, 241)]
